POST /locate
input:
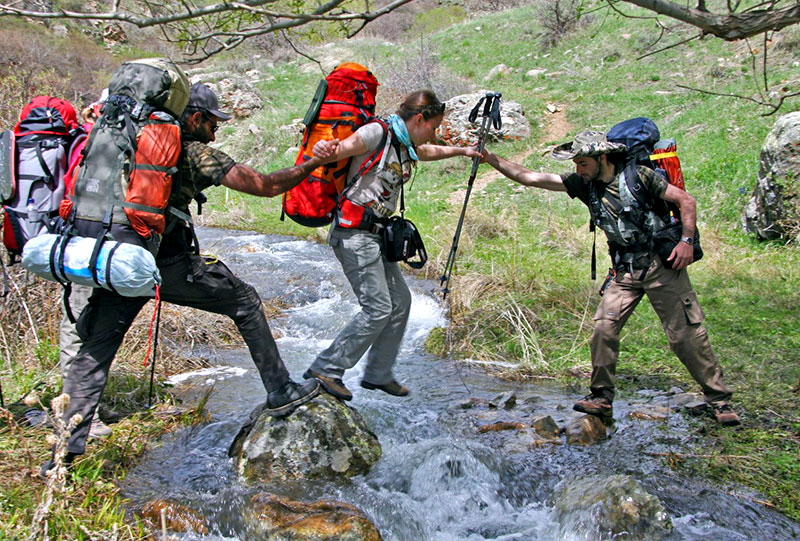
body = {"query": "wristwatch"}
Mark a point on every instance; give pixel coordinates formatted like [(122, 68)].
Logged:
[(688, 240)]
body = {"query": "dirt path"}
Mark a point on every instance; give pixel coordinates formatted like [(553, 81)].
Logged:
[(557, 128)]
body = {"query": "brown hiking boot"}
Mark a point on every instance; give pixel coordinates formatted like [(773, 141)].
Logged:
[(333, 386), (725, 415), (392, 387), (594, 405)]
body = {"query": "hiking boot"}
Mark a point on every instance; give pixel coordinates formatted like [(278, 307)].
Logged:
[(594, 405), (333, 386), (392, 387), (68, 459), (99, 429), (725, 415), (284, 401)]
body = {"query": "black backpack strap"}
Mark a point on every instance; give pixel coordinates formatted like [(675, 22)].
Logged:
[(43, 164), (593, 230), (636, 186)]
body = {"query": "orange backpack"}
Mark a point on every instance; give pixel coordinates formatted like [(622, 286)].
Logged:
[(344, 101)]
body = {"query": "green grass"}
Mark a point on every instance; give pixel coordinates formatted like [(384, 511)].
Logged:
[(521, 290)]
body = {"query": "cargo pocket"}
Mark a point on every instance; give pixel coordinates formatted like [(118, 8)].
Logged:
[(610, 306), (212, 276), (691, 307)]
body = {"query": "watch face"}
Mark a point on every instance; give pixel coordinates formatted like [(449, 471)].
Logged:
[(687, 240)]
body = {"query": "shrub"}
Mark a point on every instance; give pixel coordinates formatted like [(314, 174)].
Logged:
[(558, 18)]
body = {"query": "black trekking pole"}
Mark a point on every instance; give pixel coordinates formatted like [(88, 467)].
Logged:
[(491, 115), (153, 363)]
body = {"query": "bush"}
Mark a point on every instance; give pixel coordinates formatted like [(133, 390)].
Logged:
[(558, 18), (75, 69)]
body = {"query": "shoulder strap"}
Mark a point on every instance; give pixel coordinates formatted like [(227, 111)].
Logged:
[(636, 186)]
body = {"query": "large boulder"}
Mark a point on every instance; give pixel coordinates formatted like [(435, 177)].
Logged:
[(774, 204), (279, 519), (614, 507), (456, 129), (323, 439)]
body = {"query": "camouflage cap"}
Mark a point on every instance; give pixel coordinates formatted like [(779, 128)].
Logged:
[(587, 143)]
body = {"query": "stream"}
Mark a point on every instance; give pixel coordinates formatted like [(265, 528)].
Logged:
[(438, 477)]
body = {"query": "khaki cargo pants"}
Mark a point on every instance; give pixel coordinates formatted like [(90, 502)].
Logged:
[(675, 302)]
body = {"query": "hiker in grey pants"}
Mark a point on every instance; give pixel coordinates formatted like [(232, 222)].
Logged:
[(392, 146)]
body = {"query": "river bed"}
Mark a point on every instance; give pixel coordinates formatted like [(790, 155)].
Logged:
[(438, 478)]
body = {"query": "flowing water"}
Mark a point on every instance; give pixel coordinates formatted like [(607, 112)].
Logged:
[(438, 478)]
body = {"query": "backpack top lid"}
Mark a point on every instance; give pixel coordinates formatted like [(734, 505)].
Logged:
[(158, 82), (639, 135), (348, 79), (46, 115)]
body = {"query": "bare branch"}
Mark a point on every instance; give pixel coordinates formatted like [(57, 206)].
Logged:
[(729, 26), (681, 42), (772, 107)]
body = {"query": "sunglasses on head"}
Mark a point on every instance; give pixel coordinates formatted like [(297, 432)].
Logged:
[(434, 109)]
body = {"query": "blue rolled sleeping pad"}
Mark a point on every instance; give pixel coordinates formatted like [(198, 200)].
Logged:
[(124, 268)]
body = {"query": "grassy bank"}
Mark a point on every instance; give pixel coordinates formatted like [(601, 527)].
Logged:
[(89, 507), (521, 291)]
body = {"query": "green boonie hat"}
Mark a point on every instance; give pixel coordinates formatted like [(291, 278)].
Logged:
[(587, 143)]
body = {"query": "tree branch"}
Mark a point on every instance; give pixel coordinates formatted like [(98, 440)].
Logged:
[(729, 26)]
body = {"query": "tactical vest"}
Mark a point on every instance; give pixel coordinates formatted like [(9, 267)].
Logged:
[(630, 234)]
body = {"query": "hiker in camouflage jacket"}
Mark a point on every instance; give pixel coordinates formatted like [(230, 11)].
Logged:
[(639, 270)]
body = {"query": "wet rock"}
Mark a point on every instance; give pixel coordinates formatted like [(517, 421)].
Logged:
[(650, 393), (279, 519), (321, 439), (505, 400), (177, 517), (546, 427), (586, 430), (696, 407), (457, 130), (500, 425), (675, 390), (614, 507), (773, 205), (470, 403), (678, 400), (650, 414)]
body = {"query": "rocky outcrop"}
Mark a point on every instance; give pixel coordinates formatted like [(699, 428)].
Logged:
[(774, 209), (237, 94), (279, 519), (586, 430), (456, 129), (614, 507), (323, 439)]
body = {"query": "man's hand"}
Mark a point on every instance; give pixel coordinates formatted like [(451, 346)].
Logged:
[(682, 256), (472, 152), (326, 150)]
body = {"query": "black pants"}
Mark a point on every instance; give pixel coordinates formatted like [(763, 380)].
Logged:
[(187, 280)]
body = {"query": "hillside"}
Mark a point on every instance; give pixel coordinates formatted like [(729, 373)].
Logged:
[(522, 296)]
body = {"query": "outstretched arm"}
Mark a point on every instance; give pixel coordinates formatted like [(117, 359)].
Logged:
[(244, 178), (523, 175), (429, 153)]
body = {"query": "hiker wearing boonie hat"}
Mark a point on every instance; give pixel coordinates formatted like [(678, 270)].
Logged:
[(189, 279), (598, 182)]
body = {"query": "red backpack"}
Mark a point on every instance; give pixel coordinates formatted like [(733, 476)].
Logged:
[(33, 160), (344, 101)]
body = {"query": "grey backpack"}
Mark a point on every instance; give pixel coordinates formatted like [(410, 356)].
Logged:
[(33, 160)]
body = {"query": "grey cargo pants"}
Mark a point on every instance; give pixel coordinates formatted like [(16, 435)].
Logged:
[(187, 280), (675, 302), (385, 304)]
